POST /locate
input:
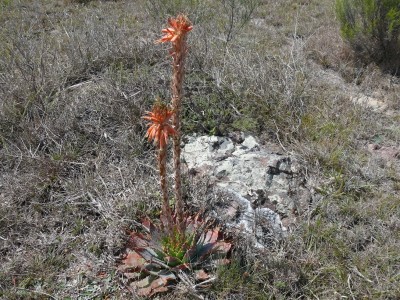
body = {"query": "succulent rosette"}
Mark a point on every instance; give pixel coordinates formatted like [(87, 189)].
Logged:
[(153, 259)]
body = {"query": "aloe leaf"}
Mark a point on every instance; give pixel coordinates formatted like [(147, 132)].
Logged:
[(133, 260), (148, 225), (137, 240), (160, 264), (161, 284), (211, 236), (142, 283), (182, 267), (147, 253), (172, 261), (133, 275), (201, 252), (205, 250)]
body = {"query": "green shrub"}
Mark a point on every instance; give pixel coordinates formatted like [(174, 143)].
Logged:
[(373, 29)]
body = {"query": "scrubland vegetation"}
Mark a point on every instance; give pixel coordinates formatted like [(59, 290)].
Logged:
[(76, 171)]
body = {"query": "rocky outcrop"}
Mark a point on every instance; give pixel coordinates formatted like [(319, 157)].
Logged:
[(266, 189)]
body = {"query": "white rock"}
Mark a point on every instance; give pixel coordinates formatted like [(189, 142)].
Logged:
[(262, 182), (250, 143)]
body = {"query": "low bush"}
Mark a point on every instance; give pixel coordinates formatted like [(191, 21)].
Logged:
[(372, 28)]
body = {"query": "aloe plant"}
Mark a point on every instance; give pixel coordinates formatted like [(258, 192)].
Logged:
[(153, 259)]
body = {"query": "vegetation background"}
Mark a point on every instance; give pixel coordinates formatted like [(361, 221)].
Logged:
[(75, 169)]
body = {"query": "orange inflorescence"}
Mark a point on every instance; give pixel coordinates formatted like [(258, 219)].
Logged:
[(179, 26), (159, 127)]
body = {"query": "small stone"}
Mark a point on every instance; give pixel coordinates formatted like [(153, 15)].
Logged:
[(250, 143)]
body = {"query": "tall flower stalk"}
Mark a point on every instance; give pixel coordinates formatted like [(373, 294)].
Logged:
[(159, 130), (176, 34)]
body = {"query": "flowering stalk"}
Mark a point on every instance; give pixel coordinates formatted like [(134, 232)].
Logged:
[(159, 131), (162, 162), (176, 34)]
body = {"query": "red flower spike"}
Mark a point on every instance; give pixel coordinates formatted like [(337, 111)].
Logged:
[(159, 127), (179, 27)]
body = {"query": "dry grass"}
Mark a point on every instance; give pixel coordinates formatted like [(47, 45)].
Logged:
[(75, 169)]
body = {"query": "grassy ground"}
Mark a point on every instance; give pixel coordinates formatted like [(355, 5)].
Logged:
[(75, 78)]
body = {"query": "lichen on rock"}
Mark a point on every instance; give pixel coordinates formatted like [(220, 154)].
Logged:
[(267, 190)]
